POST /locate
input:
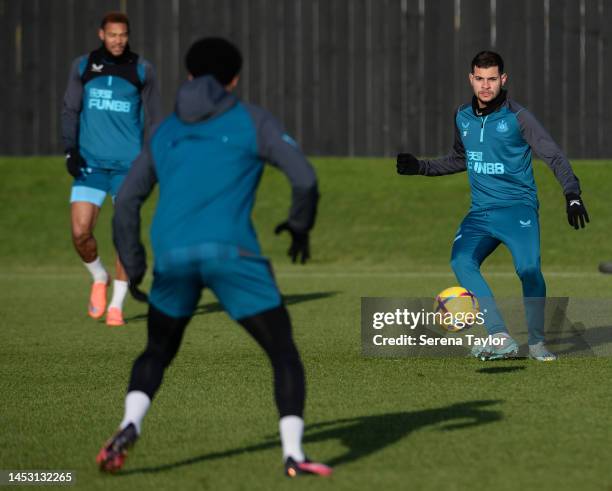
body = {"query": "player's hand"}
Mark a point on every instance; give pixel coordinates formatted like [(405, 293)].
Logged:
[(576, 212), (300, 243), (74, 162), (136, 292), (408, 164)]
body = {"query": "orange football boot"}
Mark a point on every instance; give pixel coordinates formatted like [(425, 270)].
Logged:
[(97, 299), (114, 317)]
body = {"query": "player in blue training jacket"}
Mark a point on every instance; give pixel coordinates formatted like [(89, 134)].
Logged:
[(110, 101), (207, 158), (494, 139)]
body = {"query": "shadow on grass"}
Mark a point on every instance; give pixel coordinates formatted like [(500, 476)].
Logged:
[(496, 370), (362, 435), (216, 306)]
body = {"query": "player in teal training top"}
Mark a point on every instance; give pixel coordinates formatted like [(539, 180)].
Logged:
[(494, 139), (110, 101), (207, 159)]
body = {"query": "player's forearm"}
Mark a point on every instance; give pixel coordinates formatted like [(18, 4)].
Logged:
[(70, 128), (564, 173), (126, 237), (547, 149), (151, 101), (136, 188), (303, 210), (450, 164), (71, 108)]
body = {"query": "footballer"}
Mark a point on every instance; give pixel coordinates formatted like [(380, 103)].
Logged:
[(494, 141), (208, 158), (111, 99)]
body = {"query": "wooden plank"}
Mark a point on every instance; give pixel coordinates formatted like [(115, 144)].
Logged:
[(13, 79), (571, 79), (252, 73), (358, 73), (19, 102), (41, 85), (58, 74), (308, 42), (276, 62), (511, 44), (7, 40), (605, 124), (535, 64), (439, 29), (188, 15), (368, 97), (138, 30), (475, 31), (445, 96), (392, 102), (266, 56), (317, 67), (592, 70), (411, 82), (556, 102), (289, 92), (338, 132), (375, 137), (64, 52), (326, 107)]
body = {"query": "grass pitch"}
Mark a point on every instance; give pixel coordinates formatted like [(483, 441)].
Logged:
[(389, 424)]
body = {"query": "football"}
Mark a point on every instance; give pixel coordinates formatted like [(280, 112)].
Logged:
[(457, 309)]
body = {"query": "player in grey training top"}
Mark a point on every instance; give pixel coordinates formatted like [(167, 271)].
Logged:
[(494, 139), (110, 101)]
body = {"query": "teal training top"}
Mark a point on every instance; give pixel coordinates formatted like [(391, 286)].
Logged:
[(496, 151)]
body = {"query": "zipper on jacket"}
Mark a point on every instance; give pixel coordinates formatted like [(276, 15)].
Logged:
[(482, 128), (110, 82)]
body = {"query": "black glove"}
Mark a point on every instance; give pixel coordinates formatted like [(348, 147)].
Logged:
[(576, 212), (74, 162), (299, 242), (136, 292), (408, 164)]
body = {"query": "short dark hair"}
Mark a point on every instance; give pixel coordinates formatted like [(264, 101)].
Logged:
[(115, 17), (214, 56), (487, 59)]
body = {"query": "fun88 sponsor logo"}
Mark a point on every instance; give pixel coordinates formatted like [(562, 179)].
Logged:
[(475, 164), (103, 100)]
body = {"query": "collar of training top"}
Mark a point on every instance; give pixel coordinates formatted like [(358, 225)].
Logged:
[(126, 57), (492, 106)]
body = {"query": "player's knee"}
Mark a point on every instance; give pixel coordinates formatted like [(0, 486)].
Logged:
[(529, 272), (80, 235), (463, 265)]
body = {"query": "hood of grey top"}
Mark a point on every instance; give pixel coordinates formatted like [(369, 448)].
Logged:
[(202, 98)]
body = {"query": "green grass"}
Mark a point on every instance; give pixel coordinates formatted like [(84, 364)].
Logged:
[(385, 423)]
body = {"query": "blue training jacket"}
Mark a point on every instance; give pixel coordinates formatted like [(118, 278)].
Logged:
[(495, 149), (208, 158)]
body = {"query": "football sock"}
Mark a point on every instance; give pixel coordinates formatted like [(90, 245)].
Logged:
[(120, 289), (136, 406), (164, 338), (272, 331), (97, 270), (291, 430)]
